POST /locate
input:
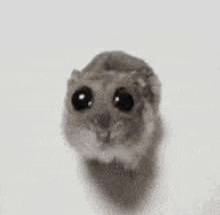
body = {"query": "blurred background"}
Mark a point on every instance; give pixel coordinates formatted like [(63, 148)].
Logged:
[(41, 42)]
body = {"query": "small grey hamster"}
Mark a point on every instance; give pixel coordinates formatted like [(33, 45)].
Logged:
[(112, 118), (112, 109)]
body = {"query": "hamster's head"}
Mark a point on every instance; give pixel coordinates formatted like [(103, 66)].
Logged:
[(111, 116)]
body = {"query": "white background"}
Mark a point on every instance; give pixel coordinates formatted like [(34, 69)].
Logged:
[(41, 42)]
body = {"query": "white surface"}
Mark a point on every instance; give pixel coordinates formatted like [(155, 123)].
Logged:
[(40, 45)]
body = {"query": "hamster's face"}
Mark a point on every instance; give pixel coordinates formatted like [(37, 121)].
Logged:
[(107, 118)]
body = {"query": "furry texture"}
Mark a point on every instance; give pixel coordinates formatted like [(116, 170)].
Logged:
[(110, 140)]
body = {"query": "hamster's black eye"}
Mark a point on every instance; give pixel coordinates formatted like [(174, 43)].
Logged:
[(82, 98), (123, 100)]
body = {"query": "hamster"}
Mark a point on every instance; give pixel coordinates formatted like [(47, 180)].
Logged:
[(112, 119)]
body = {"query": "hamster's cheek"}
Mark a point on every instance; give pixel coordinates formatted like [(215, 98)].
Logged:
[(83, 141), (128, 153)]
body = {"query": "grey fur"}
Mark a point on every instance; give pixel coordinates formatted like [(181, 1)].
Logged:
[(136, 134), (127, 189), (116, 60)]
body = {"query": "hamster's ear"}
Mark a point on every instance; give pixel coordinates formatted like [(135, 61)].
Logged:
[(150, 86), (75, 75)]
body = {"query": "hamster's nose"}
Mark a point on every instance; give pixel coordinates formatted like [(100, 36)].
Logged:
[(103, 120)]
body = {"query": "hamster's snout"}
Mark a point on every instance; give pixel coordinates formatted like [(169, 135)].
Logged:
[(102, 120), (106, 129), (104, 137), (102, 125)]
